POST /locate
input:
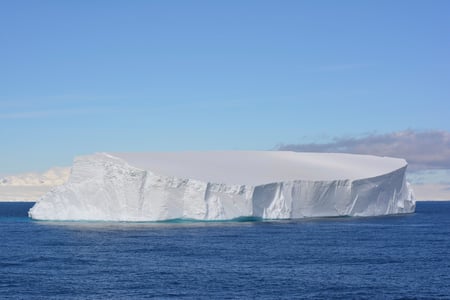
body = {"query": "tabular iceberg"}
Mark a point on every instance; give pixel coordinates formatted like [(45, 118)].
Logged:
[(225, 185)]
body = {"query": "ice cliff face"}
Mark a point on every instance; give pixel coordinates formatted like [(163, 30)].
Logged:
[(108, 187)]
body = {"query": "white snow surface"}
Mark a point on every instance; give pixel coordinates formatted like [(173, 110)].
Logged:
[(224, 185)]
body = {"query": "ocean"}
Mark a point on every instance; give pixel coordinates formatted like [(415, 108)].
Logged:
[(393, 257)]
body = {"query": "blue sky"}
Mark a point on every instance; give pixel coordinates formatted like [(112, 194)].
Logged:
[(83, 76)]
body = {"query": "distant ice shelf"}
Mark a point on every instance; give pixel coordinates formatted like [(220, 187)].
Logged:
[(226, 185)]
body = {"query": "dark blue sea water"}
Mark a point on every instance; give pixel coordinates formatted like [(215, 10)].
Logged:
[(397, 257)]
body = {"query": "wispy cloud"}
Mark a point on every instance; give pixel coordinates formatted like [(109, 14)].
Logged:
[(422, 149), (36, 114), (341, 67), (54, 105), (57, 99), (433, 176)]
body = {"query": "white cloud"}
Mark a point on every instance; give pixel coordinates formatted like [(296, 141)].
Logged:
[(31, 186)]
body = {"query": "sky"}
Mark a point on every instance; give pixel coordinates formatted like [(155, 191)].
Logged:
[(78, 77)]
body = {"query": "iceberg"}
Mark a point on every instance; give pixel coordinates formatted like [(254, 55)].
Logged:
[(227, 185)]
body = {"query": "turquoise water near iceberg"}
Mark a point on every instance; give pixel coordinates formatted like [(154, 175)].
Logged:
[(394, 257)]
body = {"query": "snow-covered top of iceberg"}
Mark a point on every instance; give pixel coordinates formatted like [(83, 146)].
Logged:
[(261, 167)]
